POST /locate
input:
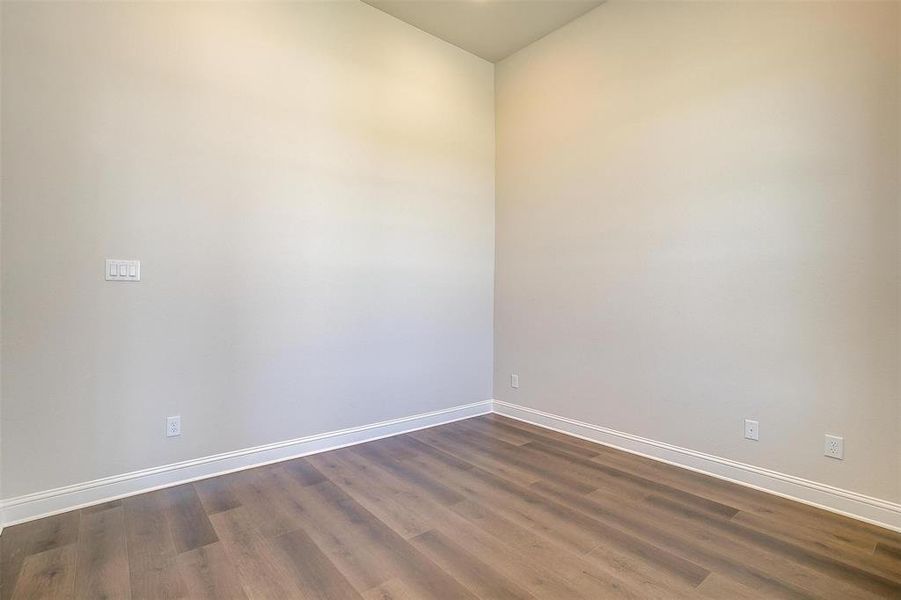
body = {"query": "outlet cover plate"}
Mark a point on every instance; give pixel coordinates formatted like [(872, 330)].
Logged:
[(173, 426), (752, 430), (835, 447)]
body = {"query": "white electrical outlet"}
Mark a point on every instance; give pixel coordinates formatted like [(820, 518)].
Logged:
[(514, 381), (752, 430), (835, 447), (173, 426)]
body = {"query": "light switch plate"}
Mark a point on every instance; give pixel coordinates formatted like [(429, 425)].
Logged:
[(123, 270)]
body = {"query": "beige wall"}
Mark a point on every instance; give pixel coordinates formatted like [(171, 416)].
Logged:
[(1, 258), (697, 223), (310, 189)]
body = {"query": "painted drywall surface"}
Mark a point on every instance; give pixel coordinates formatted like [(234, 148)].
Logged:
[(309, 187), (697, 223), (1, 278)]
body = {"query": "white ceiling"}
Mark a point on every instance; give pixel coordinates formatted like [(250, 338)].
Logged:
[(492, 29)]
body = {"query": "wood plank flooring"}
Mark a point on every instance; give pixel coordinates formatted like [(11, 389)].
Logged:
[(483, 508)]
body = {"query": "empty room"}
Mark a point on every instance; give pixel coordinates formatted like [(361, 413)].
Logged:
[(450, 299)]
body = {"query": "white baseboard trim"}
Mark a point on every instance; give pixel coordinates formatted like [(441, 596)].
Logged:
[(851, 504), (50, 502), (42, 504)]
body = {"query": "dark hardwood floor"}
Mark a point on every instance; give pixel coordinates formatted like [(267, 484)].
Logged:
[(483, 508)]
